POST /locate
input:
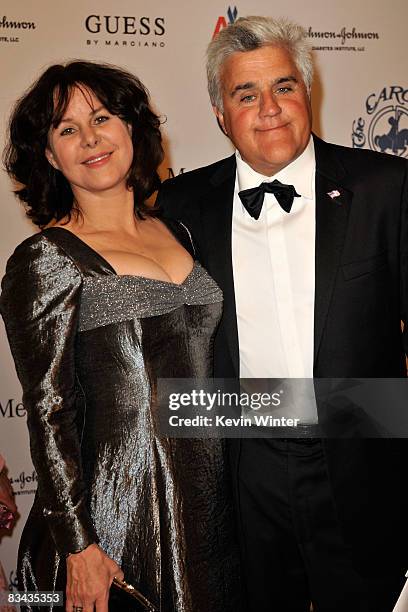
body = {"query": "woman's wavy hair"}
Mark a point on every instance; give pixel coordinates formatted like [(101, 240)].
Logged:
[(46, 193)]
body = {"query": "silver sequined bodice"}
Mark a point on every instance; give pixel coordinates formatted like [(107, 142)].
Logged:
[(114, 298)]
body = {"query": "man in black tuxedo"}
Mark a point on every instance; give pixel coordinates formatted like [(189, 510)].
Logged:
[(314, 270)]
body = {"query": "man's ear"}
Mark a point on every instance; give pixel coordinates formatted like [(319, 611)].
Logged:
[(220, 119), (51, 159)]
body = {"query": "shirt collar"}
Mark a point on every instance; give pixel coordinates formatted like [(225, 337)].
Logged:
[(299, 173)]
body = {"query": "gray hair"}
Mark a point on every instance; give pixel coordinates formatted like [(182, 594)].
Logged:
[(249, 33)]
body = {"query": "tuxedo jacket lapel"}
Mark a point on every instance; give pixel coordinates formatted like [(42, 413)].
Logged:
[(333, 202), (216, 219)]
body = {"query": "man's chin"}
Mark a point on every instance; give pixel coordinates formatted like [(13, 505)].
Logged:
[(274, 159)]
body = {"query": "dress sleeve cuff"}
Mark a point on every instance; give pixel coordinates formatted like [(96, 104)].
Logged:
[(72, 531)]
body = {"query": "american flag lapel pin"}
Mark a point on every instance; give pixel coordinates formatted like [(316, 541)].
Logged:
[(333, 194)]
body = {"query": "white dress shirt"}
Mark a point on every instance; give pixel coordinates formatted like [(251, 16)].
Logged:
[(274, 275)]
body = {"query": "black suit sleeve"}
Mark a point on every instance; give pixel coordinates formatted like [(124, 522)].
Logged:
[(170, 200), (176, 204)]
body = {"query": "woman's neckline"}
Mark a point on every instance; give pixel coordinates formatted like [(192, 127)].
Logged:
[(112, 269)]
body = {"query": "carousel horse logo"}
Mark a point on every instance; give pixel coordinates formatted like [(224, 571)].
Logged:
[(396, 140), (385, 129)]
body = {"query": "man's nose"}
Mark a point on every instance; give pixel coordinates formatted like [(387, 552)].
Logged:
[(269, 104), (89, 137)]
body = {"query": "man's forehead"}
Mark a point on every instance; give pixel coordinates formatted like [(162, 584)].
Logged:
[(265, 62)]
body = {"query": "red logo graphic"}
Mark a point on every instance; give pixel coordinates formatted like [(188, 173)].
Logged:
[(222, 22)]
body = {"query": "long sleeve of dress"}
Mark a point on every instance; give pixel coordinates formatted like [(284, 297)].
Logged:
[(40, 305)]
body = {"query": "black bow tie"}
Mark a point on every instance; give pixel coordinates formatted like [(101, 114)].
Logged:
[(253, 198)]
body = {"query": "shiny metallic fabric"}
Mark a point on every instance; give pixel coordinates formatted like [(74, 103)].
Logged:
[(89, 346)]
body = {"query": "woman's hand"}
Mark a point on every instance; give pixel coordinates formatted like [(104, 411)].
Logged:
[(89, 577)]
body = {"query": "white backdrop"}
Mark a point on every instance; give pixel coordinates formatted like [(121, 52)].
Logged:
[(361, 82)]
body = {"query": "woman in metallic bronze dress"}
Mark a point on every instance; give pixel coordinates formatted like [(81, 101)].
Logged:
[(98, 305)]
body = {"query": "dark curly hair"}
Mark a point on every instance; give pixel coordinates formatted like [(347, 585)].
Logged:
[(45, 192)]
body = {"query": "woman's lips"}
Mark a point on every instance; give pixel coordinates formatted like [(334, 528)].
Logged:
[(97, 160)]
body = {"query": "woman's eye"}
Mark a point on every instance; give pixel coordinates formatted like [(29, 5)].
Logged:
[(101, 119), (67, 131)]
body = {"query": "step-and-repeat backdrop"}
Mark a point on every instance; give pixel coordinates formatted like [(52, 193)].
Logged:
[(360, 96)]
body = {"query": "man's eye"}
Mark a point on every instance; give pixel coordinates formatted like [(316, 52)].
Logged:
[(248, 98), (284, 89), (67, 131)]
